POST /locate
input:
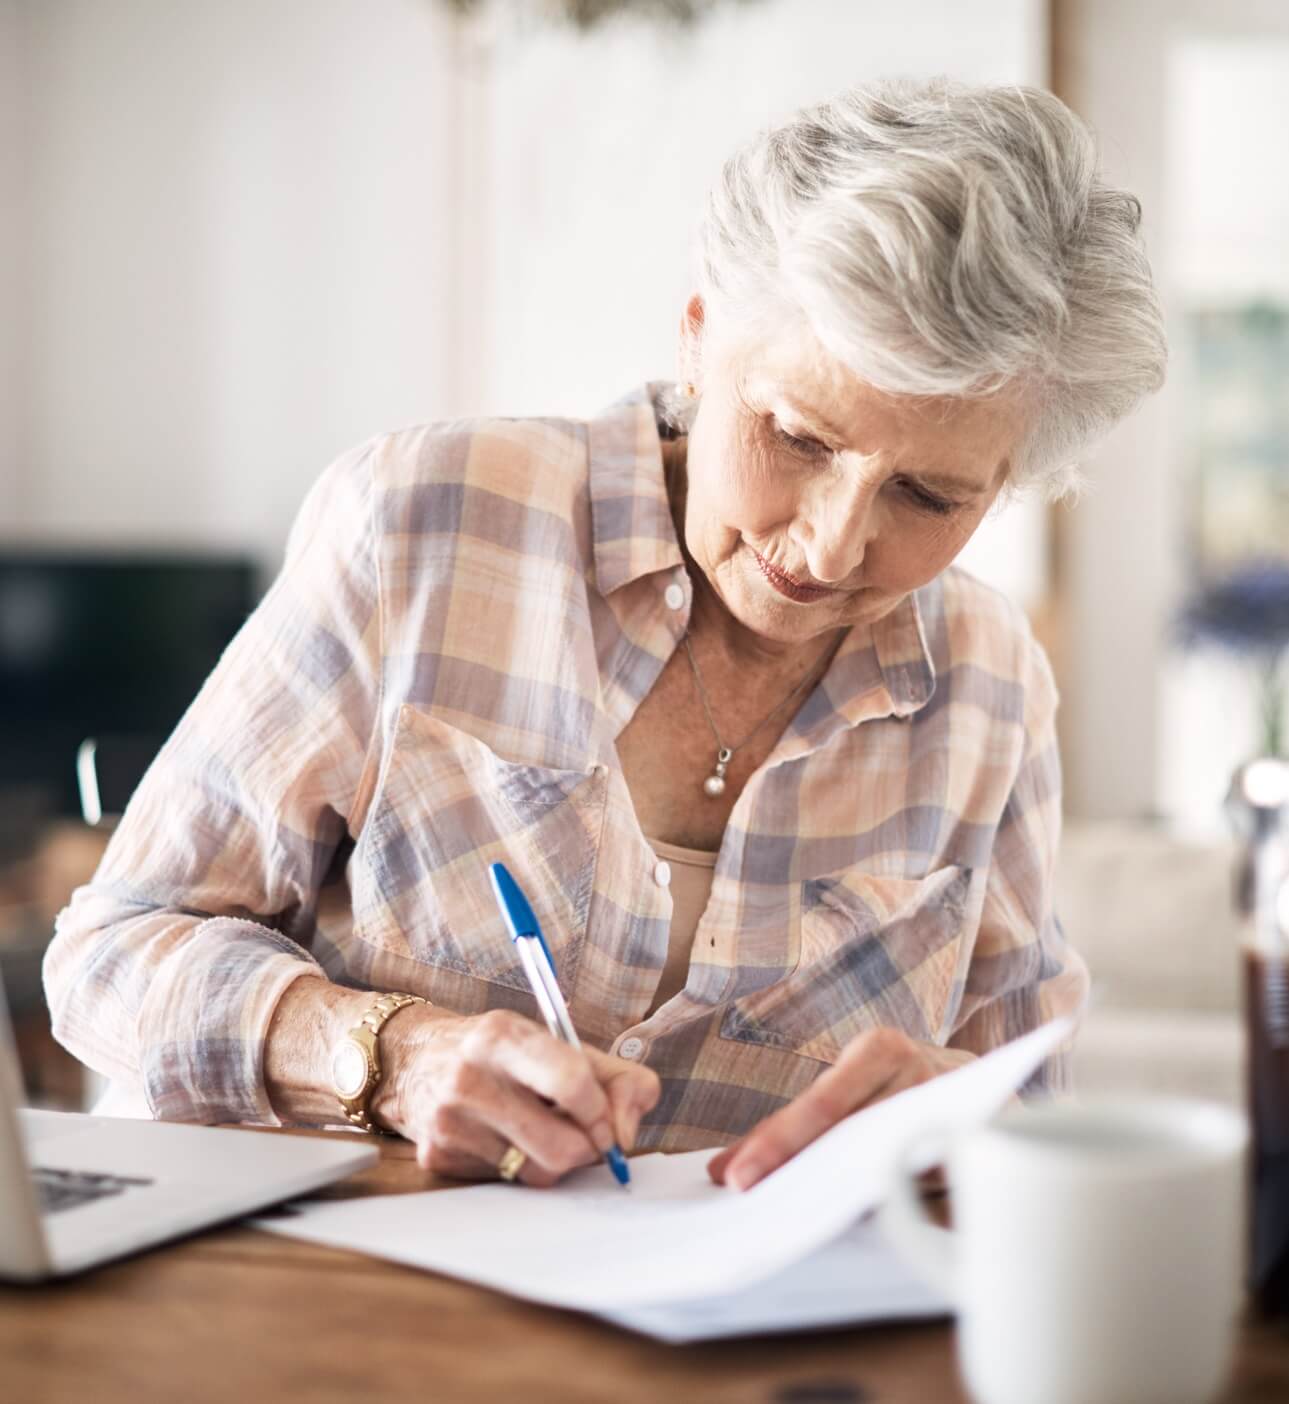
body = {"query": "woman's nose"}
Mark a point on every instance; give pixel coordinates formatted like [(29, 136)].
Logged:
[(837, 531)]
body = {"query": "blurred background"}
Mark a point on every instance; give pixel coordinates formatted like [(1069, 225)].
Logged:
[(238, 237)]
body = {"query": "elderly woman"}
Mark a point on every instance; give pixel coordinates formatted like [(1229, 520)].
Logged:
[(780, 783)]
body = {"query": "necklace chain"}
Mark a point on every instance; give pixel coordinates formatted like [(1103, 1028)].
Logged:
[(715, 783)]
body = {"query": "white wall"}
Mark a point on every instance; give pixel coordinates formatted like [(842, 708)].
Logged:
[(1227, 169), (1121, 557), (242, 237), (259, 233)]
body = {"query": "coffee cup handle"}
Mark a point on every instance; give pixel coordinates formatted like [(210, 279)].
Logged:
[(930, 1249)]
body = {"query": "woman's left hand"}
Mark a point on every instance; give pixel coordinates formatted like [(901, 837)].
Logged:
[(874, 1065)]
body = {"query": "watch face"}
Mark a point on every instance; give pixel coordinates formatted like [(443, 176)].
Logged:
[(349, 1069)]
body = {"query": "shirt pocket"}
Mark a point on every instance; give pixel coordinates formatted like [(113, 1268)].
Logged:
[(873, 952), (446, 807)]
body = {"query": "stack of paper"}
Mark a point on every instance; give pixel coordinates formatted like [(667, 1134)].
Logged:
[(648, 1256)]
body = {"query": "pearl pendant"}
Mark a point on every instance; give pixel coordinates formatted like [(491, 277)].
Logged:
[(715, 784)]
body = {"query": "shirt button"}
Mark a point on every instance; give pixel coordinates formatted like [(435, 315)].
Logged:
[(674, 597), (631, 1048), (662, 873)]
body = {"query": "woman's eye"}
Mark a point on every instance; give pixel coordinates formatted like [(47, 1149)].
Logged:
[(809, 447), (928, 501)]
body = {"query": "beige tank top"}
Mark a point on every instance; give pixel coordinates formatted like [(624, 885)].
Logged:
[(692, 870)]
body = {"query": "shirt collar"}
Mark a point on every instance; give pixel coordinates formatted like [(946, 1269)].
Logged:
[(900, 642), (631, 527), (883, 670)]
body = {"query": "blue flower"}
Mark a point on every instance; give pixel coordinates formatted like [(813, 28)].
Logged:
[(1247, 612)]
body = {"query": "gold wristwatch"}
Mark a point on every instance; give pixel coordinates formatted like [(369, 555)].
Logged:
[(355, 1060)]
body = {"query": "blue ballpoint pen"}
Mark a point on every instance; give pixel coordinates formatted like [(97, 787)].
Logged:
[(539, 968)]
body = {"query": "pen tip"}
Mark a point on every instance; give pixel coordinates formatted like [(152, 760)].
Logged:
[(618, 1164)]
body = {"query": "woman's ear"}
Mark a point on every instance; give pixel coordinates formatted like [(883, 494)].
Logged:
[(690, 357)]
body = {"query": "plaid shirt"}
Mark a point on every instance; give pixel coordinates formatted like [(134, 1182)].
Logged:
[(468, 614)]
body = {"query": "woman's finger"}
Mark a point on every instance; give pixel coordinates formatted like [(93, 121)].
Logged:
[(456, 1162), (449, 1141), (632, 1090), (716, 1165), (483, 1161), (525, 1054), (474, 1150), (471, 1125), (844, 1088), (552, 1143)]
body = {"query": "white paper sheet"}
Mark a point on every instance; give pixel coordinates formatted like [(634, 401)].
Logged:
[(856, 1278), (674, 1236)]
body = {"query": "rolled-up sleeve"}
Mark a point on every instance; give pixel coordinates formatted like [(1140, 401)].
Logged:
[(165, 969), (1022, 971)]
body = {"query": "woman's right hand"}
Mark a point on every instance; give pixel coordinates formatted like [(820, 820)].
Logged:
[(463, 1088)]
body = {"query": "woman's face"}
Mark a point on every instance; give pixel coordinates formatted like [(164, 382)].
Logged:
[(814, 502)]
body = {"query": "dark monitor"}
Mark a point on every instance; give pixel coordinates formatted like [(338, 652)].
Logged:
[(106, 645)]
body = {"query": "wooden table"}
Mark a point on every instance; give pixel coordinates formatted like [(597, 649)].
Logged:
[(234, 1314)]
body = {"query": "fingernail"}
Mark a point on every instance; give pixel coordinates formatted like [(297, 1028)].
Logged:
[(602, 1136), (744, 1175)]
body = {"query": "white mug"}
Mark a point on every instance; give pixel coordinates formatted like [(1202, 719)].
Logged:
[(1097, 1251)]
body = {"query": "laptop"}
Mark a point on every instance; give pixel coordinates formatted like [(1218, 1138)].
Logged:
[(77, 1190)]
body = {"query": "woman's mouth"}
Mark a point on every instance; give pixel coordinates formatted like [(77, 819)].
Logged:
[(788, 585)]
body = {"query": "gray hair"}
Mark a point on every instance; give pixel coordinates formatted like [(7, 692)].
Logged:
[(944, 240)]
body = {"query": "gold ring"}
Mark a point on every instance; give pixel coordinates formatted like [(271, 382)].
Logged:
[(510, 1164)]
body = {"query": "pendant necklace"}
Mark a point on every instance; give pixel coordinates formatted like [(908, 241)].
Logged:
[(714, 785)]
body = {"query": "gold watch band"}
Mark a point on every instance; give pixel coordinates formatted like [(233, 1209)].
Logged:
[(358, 1109)]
